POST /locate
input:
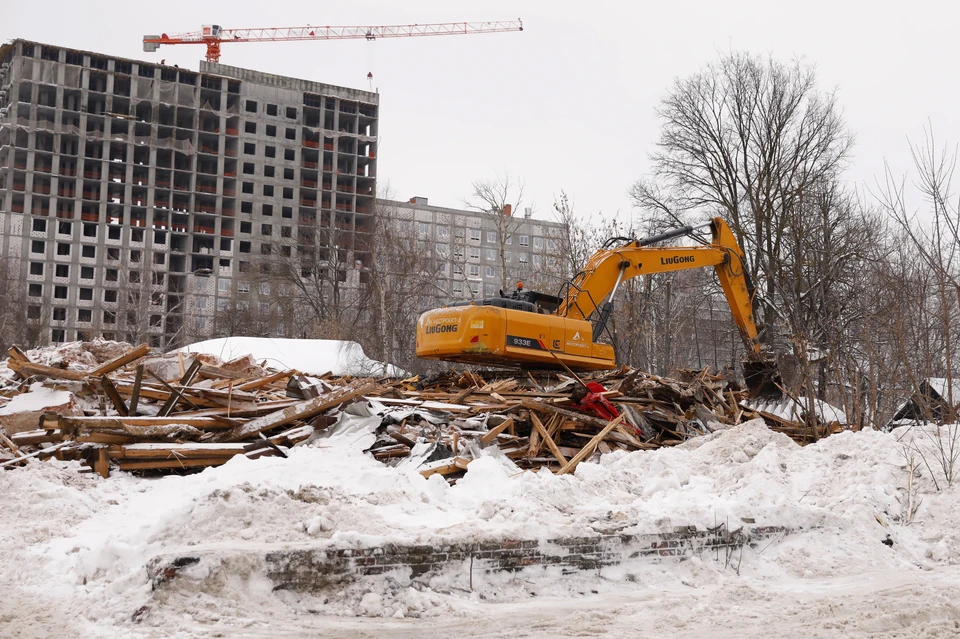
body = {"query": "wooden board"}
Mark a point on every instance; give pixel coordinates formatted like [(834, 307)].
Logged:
[(171, 463), (302, 410), (587, 450), (121, 361)]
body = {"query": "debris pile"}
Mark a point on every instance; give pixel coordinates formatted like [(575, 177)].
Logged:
[(114, 406)]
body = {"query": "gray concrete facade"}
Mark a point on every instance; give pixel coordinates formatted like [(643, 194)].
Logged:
[(473, 248), (133, 195)]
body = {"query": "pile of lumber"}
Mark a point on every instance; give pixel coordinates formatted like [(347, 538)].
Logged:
[(209, 411), (146, 423), (539, 424)]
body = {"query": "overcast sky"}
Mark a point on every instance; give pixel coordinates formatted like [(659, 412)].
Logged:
[(569, 102)]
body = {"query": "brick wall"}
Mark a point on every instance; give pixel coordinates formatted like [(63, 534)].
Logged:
[(319, 567)]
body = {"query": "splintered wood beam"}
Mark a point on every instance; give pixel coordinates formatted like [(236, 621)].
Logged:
[(496, 430), (105, 438), (135, 394), (574, 415), (179, 451), (587, 450), (35, 437), (107, 385), (102, 464), (117, 423), (36, 453), (186, 380), (25, 369), (173, 390), (263, 381), (17, 355), (121, 361), (548, 440), (154, 464), (458, 464), (9, 444), (299, 411)]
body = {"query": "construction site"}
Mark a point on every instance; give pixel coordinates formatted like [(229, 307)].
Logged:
[(558, 430)]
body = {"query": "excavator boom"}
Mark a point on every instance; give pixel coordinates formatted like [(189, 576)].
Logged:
[(532, 330)]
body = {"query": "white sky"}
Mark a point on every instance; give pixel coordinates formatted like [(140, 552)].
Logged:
[(568, 103)]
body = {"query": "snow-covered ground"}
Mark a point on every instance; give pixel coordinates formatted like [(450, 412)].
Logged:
[(310, 356), (75, 545)]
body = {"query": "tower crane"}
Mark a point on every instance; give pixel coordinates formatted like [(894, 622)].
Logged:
[(213, 36)]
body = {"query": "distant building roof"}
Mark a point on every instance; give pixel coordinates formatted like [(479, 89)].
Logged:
[(929, 403)]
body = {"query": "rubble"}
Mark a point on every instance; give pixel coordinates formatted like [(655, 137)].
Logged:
[(135, 411)]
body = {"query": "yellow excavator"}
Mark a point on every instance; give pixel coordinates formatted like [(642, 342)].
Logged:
[(533, 330)]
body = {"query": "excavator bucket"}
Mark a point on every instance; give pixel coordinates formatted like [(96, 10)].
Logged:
[(766, 378)]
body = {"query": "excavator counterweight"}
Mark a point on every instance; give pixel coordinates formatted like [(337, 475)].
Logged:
[(533, 330)]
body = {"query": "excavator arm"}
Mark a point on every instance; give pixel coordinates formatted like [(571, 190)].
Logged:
[(591, 293)]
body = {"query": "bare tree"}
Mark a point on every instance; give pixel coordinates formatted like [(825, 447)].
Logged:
[(575, 241), (745, 138), (14, 323), (936, 243), (403, 281), (501, 198)]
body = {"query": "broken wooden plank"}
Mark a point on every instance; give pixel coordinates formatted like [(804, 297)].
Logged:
[(36, 453), (35, 437), (17, 355), (105, 438), (185, 380), (135, 394), (170, 388), (548, 408), (155, 464), (107, 423), (496, 430), (264, 381), (111, 391), (454, 466), (9, 444), (587, 450), (302, 410), (102, 463), (121, 361), (552, 445), (29, 368), (156, 450)]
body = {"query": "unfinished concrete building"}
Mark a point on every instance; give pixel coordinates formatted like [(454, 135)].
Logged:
[(133, 195)]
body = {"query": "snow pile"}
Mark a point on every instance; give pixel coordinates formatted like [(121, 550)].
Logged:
[(82, 544), (23, 411), (38, 398), (309, 356)]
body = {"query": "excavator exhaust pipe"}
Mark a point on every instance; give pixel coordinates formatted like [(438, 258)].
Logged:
[(766, 378)]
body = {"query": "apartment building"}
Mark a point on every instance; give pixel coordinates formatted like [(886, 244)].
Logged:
[(133, 196), (478, 253)]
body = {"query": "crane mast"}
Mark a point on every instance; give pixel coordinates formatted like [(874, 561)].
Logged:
[(213, 36)]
